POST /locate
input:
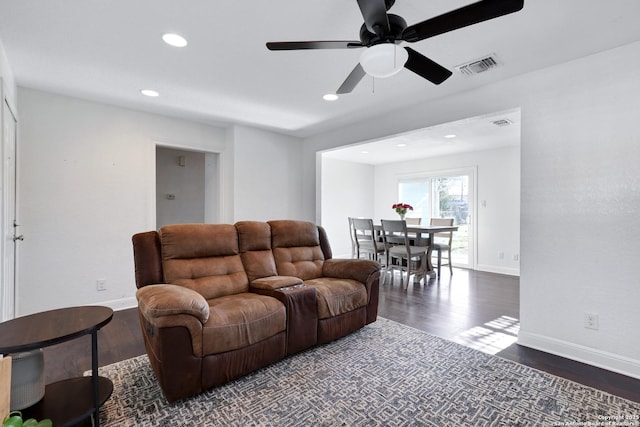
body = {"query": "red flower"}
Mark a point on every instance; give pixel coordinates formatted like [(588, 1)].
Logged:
[(401, 208)]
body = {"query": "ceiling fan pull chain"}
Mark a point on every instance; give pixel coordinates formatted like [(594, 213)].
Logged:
[(395, 56)]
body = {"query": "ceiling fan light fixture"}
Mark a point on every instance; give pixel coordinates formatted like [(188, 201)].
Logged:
[(383, 60)]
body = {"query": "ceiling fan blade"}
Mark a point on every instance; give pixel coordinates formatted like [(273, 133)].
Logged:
[(352, 80), (375, 16), (424, 67), (462, 17), (331, 44)]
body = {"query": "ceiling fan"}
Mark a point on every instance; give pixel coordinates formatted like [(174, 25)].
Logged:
[(382, 32)]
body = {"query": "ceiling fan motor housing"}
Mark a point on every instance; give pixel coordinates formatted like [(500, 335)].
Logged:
[(397, 24)]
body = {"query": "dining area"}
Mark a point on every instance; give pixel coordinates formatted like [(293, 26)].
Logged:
[(404, 245)]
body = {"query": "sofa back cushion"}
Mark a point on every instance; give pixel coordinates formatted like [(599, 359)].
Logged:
[(203, 257), (296, 249), (254, 239)]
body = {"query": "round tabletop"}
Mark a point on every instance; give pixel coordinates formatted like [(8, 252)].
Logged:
[(51, 327)]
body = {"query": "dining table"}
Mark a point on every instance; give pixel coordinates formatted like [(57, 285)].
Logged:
[(422, 235)]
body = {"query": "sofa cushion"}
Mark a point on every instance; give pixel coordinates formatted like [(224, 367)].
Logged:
[(254, 241), (338, 296), (296, 249), (203, 257), (198, 240), (237, 321)]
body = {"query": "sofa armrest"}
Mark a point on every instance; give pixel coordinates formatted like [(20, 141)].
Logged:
[(364, 271), (157, 301), (356, 269), (275, 282)]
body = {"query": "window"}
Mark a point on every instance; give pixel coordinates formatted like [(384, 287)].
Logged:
[(444, 196)]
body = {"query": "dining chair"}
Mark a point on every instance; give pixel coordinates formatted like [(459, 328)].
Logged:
[(365, 239), (442, 242), (400, 254), (352, 237)]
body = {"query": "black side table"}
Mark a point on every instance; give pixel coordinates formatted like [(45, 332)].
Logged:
[(69, 401)]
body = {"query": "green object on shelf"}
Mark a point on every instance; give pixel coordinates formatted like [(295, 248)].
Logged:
[(14, 419)]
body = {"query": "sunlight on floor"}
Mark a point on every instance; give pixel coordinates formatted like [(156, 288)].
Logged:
[(492, 337)]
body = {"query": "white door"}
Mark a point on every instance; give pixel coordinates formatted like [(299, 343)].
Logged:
[(9, 224)]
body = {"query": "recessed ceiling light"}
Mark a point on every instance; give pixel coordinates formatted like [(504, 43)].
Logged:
[(174, 40), (330, 97), (149, 92), (450, 136), (401, 145), (364, 152)]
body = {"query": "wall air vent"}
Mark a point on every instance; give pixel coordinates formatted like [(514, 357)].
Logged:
[(479, 65), (502, 122)]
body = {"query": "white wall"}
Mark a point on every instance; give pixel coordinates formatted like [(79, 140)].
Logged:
[(579, 179), (347, 191), (498, 183), (580, 150), (266, 179), (87, 180), (86, 174)]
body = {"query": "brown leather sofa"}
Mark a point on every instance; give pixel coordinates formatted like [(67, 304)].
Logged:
[(217, 301)]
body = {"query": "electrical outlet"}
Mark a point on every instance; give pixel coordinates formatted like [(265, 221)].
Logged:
[(591, 321), (516, 257), (101, 285), (500, 255)]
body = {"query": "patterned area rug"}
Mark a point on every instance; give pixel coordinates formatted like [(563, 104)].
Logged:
[(386, 374)]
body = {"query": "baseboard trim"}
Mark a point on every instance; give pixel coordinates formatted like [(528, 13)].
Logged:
[(120, 304), (590, 356), (499, 270)]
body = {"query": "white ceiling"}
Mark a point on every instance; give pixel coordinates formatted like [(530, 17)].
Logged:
[(108, 50), (472, 134)]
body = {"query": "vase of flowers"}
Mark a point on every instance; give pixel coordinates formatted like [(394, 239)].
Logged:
[(401, 209)]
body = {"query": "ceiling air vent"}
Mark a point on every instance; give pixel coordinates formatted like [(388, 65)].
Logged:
[(502, 122), (479, 65)]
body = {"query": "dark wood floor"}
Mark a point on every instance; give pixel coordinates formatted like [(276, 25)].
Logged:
[(475, 308)]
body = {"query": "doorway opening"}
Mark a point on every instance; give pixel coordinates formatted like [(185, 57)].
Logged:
[(187, 186), (364, 179)]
